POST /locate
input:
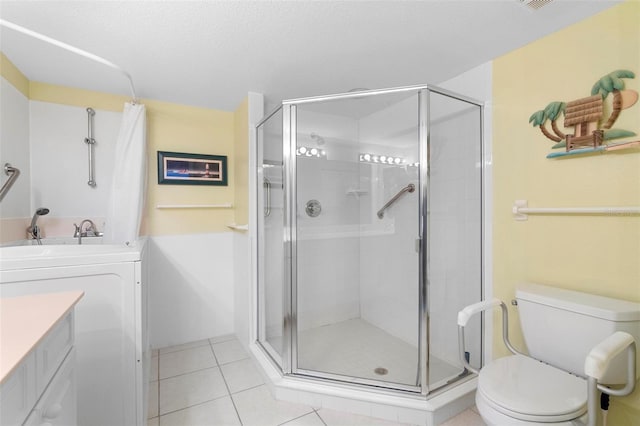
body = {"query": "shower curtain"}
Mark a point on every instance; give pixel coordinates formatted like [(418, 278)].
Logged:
[(126, 201)]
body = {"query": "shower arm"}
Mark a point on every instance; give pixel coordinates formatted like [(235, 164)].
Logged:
[(13, 174), (409, 188)]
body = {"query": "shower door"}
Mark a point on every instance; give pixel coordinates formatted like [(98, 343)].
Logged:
[(369, 236), (454, 228), (272, 274), (355, 210)]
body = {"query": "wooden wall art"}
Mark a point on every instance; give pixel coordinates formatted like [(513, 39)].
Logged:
[(592, 129)]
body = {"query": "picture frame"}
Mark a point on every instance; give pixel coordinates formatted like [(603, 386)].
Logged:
[(180, 168)]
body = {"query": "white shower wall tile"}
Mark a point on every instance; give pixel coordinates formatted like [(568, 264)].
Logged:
[(54, 133), (14, 145), (328, 289)]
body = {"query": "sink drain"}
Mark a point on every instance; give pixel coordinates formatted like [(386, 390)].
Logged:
[(381, 371)]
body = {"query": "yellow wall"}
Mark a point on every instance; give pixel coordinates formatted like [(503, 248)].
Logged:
[(170, 127), (241, 121), (596, 254), (182, 128), (13, 75)]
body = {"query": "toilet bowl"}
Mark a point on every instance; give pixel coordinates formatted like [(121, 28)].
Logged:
[(562, 329), (518, 390)]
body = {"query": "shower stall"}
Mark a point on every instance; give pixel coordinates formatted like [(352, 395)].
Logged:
[(370, 236)]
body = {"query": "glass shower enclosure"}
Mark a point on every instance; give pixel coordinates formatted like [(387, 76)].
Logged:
[(369, 236)]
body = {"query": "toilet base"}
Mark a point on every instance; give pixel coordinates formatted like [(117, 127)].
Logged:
[(492, 417)]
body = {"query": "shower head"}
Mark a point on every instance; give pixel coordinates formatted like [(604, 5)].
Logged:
[(316, 137), (39, 212)]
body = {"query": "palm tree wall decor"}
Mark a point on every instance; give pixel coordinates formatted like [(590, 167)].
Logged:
[(585, 115)]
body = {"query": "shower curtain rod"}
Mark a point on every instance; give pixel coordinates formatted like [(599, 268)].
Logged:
[(72, 49)]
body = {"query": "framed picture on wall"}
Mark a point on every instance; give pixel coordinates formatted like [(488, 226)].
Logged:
[(179, 168)]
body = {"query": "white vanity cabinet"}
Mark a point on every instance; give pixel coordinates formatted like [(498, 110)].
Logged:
[(37, 360)]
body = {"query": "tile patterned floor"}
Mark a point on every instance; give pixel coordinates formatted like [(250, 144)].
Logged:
[(214, 382)]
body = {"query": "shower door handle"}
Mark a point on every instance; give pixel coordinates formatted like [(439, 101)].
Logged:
[(267, 205)]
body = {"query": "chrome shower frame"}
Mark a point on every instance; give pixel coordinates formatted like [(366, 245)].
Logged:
[(287, 364)]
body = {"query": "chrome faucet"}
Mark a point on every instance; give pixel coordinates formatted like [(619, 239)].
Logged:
[(90, 231), (33, 229)]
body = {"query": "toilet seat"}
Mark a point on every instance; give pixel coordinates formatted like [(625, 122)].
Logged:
[(526, 389)]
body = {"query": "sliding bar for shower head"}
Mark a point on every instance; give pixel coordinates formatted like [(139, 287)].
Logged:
[(90, 141)]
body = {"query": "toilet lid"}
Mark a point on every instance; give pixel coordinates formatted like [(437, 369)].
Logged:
[(527, 389)]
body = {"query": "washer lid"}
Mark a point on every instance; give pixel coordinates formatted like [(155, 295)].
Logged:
[(528, 389)]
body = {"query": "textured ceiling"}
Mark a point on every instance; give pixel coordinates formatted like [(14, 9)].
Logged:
[(211, 53)]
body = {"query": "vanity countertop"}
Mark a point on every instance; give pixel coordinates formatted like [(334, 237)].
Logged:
[(25, 320)]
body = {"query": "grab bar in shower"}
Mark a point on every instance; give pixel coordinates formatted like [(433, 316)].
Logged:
[(90, 141), (409, 188), (13, 174), (267, 205)]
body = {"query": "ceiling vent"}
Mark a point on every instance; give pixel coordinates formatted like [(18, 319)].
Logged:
[(534, 4)]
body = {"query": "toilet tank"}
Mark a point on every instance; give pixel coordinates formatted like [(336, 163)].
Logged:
[(561, 326)]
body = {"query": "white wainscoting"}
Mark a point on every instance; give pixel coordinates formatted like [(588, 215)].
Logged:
[(191, 295)]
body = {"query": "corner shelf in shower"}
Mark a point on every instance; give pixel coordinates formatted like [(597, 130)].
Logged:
[(357, 192)]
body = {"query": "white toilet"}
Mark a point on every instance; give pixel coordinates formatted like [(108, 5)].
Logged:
[(560, 328)]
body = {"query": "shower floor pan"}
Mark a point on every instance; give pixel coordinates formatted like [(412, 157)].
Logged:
[(356, 348)]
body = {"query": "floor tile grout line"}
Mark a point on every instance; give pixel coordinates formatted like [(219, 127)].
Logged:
[(226, 385), (319, 416), (157, 392), (252, 387), (181, 350), (296, 418), (210, 344), (215, 358), (234, 337), (190, 372), (158, 388), (191, 406), (235, 360)]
